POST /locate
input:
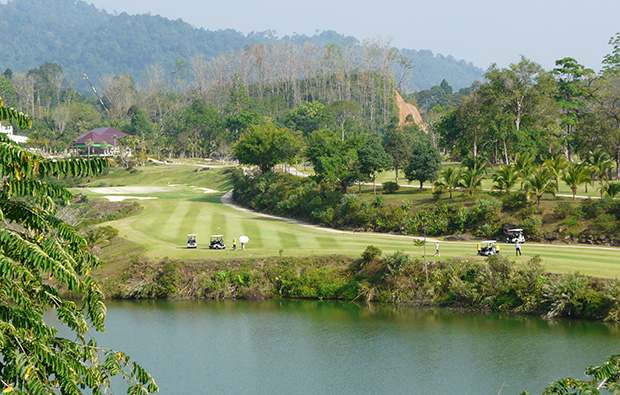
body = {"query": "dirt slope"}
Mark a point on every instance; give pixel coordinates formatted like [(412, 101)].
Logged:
[(406, 109)]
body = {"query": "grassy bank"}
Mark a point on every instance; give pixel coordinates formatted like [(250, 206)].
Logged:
[(499, 285)]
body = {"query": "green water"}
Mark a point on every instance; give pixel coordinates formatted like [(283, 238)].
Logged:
[(311, 347)]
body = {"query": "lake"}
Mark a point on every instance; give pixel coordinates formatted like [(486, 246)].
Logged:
[(319, 347)]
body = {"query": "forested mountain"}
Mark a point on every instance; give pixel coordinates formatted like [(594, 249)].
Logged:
[(83, 39)]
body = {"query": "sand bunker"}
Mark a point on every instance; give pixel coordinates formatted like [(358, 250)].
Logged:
[(207, 190), (130, 190), (121, 198)]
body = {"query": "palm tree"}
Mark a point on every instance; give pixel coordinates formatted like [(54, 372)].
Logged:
[(541, 182), (610, 189), (555, 165), (449, 179), (471, 180), (505, 178), (89, 144), (479, 163), (576, 174), (600, 164), (523, 164)]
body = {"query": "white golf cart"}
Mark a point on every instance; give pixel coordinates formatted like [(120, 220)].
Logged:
[(515, 235), (191, 241), (487, 248), (217, 242)]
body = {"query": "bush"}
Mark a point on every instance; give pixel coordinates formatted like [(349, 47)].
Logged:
[(532, 227), (606, 223), (486, 231), (169, 279), (371, 253), (390, 187), (514, 201), (563, 209), (486, 210)]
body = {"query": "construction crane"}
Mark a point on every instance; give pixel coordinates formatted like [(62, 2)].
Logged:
[(96, 94)]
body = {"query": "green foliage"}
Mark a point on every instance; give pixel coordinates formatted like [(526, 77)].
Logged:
[(532, 227), (605, 377), (424, 162), (36, 245), (168, 280), (371, 253), (265, 146), (336, 162), (390, 187)]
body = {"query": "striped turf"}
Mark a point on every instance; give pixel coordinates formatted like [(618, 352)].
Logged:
[(162, 226)]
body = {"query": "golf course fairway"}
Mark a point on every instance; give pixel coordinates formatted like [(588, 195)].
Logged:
[(172, 211)]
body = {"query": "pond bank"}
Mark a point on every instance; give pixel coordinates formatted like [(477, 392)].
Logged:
[(497, 285)]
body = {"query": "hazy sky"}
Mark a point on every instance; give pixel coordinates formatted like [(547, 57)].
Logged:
[(478, 31)]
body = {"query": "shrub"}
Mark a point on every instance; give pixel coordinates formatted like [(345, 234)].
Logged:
[(606, 223), (394, 264), (562, 210), (390, 187), (169, 279), (487, 231), (371, 253), (514, 201), (486, 210), (532, 227)]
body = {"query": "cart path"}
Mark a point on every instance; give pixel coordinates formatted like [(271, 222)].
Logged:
[(227, 200)]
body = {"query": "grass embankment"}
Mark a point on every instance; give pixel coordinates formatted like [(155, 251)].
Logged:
[(160, 229), (499, 285)]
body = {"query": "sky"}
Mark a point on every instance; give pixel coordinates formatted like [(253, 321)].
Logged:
[(478, 31)]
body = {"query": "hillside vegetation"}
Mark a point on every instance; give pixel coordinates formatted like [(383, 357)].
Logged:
[(84, 39)]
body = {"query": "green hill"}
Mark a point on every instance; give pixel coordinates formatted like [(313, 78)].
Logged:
[(84, 39)]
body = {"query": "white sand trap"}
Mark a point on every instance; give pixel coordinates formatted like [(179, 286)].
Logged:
[(130, 190), (117, 198), (207, 190)]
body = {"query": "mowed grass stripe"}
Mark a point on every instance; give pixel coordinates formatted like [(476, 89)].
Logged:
[(171, 231), (218, 223), (256, 239), (327, 241), (189, 223), (288, 240)]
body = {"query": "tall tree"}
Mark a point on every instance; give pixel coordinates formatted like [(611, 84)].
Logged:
[(265, 146), (612, 61), (335, 162), (36, 245), (573, 88), (424, 162), (373, 159), (397, 143)]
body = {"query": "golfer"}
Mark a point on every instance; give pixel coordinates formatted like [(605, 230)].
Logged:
[(437, 249), (517, 248), (234, 244)]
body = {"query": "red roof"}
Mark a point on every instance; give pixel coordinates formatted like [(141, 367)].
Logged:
[(100, 135)]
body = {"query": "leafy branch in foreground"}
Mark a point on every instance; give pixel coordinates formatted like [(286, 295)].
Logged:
[(605, 377), (41, 255)]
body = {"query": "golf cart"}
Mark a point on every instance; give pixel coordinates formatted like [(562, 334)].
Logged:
[(191, 241), (217, 242), (487, 248), (515, 235)]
